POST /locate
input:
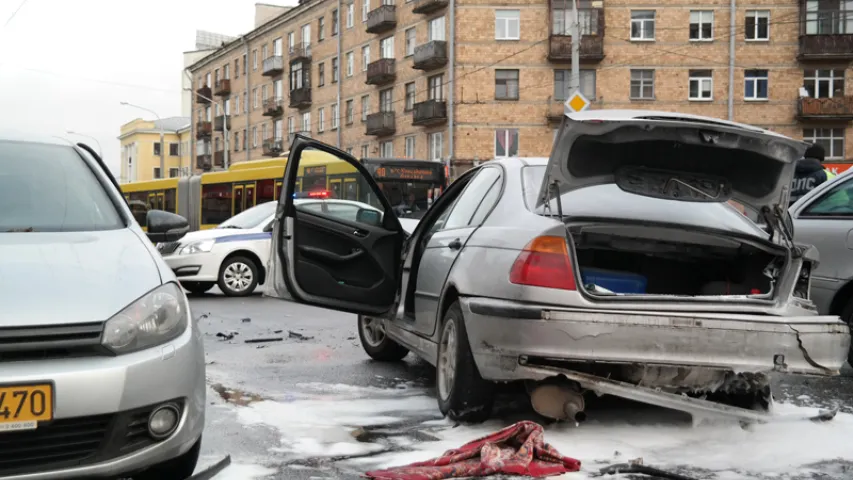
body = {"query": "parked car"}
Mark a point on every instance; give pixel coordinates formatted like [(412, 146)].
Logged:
[(234, 254), (103, 371), (824, 218), (618, 266)]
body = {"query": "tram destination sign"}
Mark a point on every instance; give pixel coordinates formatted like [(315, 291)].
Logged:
[(422, 174)]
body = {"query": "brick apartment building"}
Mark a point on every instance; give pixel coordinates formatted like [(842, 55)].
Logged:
[(375, 78)]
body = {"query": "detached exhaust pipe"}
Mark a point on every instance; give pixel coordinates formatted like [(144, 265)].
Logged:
[(559, 402)]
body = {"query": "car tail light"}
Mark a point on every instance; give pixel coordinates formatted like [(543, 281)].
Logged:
[(544, 262)]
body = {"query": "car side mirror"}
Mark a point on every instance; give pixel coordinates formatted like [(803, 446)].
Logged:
[(165, 226), (368, 217)]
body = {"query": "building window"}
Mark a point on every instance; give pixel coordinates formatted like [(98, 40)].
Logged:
[(236, 141), (643, 84), (701, 25), (174, 149), (365, 107), (410, 146), (562, 20), (386, 47), (321, 120), (435, 29), (305, 33), (436, 146), (255, 97), (157, 172), (365, 150), (264, 52), (411, 39), (829, 17), (506, 84), (321, 75), (435, 85), (507, 24), (824, 83), (237, 105), (349, 111), (245, 102), (386, 100), (757, 25), (642, 25), (831, 139), (350, 14), (173, 172), (410, 96), (350, 63), (701, 85), (254, 59), (306, 123), (334, 69), (334, 22), (365, 9), (254, 137), (755, 84), (386, 149), (157, 148), (563, 80), (264, 133), (335, 116), (264, 94), (365, 57), (506, 142), (291, 41), (245, 64), (321, 29), (236, 68)]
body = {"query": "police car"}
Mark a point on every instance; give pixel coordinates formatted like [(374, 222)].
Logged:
[(234, 254)]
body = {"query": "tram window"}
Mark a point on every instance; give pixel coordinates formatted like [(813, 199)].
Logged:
[(266, 191), (250, 196), (238, 200), (215, 203), (350, 191), (170, 203), (336, 189), (314, 182)]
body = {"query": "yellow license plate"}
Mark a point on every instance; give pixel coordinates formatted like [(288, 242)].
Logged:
[(23, 406)]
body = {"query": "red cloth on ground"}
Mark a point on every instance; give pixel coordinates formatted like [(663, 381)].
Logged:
[(519, 449)]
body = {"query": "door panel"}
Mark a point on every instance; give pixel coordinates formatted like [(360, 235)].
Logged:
[(250, 197), (237, 203)]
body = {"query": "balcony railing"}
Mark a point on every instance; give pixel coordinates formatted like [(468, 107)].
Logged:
[(382, 19), (381, 124), (221, 121), (273, 147), (381, 71), (834, 108), (429, 6), (273, 66), (430, 55), (825, 34), (301, 51), (203, 161), (430, 112), (273, 107), (223, 88), (219, 158), (203, 129), (300, 97), (203, 95), (592, 38)]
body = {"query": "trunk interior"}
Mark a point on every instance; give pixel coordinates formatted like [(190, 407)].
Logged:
[(629, 260)]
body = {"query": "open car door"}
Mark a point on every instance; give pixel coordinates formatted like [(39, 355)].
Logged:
[(345, 255)]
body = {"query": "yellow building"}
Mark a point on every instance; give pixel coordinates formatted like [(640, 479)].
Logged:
[(140, 148)]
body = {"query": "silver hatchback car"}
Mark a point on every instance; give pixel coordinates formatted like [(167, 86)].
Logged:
[(102, 369)]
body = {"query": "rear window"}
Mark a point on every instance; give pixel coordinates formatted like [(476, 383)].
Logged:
[(50, 188)]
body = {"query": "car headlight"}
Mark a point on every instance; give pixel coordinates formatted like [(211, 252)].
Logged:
[(203, 246), (157, 317)]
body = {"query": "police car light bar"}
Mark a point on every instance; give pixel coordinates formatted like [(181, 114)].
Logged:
[(314, 194)]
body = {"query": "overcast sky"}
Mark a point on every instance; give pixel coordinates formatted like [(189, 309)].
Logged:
[(66, 64)]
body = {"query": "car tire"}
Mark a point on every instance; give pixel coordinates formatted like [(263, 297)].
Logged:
[(463, 395), (376, 343), (198, 288), (847, 317), (179, 468), (238, 276)]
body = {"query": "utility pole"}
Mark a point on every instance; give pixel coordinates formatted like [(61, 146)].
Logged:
[(575, 81), (225, 118)]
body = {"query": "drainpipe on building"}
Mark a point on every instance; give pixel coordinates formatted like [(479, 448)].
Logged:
[(340, 65), (732, 31), (248, 146), (451, 93), (192, 127)]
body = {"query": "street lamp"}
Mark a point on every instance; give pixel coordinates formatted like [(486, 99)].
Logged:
[(100, 151), (162, 146), (224, 123)]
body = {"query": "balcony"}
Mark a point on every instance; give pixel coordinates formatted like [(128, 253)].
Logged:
[(381, 71), (273, 107), (203, 161), (300, 97), (203, 129), (203, 95), (221, 123), (430, 55), (831, 109), (382, 19), (301, 51), (431, 112), (429, 6), (381, 124), (219, 159), (273, 66), (273, 147), (592, 40), (222, 88)]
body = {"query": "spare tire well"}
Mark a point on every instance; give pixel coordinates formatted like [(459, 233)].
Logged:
[(262, 269)]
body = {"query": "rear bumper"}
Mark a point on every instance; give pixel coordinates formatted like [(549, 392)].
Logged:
[(501, 331)]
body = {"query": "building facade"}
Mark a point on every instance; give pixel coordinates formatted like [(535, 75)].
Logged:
[(140, 149), (471, 80)]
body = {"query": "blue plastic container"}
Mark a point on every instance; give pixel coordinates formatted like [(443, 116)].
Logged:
[(616, 282)]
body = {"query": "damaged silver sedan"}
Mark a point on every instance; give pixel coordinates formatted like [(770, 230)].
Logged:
[(651, 257)]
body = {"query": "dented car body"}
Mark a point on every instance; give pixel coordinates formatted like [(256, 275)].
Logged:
[(620, 266)]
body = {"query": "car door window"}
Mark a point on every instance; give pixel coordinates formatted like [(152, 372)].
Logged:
[(471, 198), (313, 207), (343, 211), (489, 201), (837, 202)]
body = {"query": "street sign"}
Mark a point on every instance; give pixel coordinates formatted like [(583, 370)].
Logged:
[(576, 102)]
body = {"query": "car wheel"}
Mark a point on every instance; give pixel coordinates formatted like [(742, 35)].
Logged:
[(238, 277), (376, 342), (179, 468), (463, 395), (198, 288), (847, 316)]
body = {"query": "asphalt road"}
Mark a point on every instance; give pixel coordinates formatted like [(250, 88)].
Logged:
[(315, 354)]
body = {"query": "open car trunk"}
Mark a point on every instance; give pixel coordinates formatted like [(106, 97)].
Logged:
[(630, 260)]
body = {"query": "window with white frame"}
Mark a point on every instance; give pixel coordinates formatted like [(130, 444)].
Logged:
[(701, 25), (561, 19), (506, 142), (335, 116), (291, 127), (321, 119), (824, 83), (435, 29), (507, 24), (277, 127), (296, 76), (226, 71), (410, 96), (435, 85), (386, 47), (757, 25), (435, 143), (245, 101), (265, 51), (365, 57), (386, 149), (365, 107), (264, 131), (278, 89), (306, 123), (350, 14), (306, 35), (350, 63), (411, 39), (321, 29), (701, 85), (255, 97), (386, 100), (365, 150), (642, 25), (350, 111), (254, 59), (335, 20), (276, 45), (349, 151), (365, 9), (410, 146), (506, 84), (335, 70), (831, 139), (829, 17), (254, 137), (237, 105), (755, 84), (563, 81)]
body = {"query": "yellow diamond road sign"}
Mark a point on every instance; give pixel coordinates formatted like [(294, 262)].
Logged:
[(576, 102)]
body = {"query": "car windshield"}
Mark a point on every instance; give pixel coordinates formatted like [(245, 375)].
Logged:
[(51, 188), (251, 218)]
